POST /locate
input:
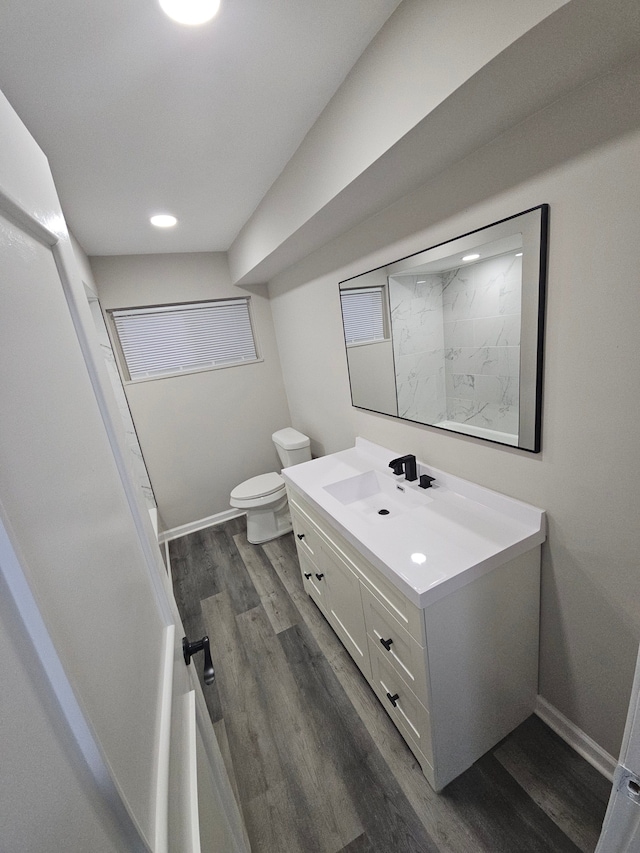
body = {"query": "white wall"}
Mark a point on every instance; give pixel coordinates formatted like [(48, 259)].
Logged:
[(201, 433), (425, 52), (581, 156)]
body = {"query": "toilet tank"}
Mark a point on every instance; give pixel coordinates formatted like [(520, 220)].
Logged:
[(293, 447)]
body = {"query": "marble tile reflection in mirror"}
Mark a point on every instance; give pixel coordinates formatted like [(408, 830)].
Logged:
[(458, 343)]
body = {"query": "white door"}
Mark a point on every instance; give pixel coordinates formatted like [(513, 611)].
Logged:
[(621, 827), (100, 722)]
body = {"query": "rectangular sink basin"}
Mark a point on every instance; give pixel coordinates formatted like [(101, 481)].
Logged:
[(374, 496)]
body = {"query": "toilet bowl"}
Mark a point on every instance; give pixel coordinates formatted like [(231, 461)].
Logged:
[(264, 498)]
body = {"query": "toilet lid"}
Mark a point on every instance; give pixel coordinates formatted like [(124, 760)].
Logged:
[(258, 487)]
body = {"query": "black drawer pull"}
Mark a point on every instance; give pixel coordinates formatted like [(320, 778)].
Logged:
[(300, 536), (307, 575), (320, 576), (393, 699), (386, 643)]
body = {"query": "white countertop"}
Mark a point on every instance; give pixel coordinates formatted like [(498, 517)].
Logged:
[(457, 530)]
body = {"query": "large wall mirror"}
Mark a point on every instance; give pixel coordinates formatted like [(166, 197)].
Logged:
[(452, 337)]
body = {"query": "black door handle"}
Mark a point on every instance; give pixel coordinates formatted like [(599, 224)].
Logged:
[(307, 575), (320, 576), (300, 535), (189, 649), (386, 643), (393, 699)]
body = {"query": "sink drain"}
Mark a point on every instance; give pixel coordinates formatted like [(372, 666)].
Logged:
[(383, 512)]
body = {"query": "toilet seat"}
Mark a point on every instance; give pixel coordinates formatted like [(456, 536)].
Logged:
[(263, 488)]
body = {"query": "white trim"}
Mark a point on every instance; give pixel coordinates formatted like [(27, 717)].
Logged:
[(161, 818), (153, 515), (23, 219), (367, 343), (576, 738), (222, 785), (191, 777), (193, 526), (95, 364), (127, 382)]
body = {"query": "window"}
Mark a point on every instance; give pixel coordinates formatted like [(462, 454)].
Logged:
[(363, 315), (172, 339)]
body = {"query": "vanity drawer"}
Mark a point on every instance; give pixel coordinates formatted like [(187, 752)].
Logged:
[(313, 581), (407, 712), (406, 656)]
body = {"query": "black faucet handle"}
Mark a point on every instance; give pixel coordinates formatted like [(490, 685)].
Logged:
[(410, 467), (425, 481), (397, 465)]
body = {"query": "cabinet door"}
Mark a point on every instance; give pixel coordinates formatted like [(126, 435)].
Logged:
[(345, 610)]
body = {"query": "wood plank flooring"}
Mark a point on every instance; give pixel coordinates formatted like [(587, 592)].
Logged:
[(317, 764)]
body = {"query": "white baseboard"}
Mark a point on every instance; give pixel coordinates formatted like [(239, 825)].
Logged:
[(576, 738), (193, 526)]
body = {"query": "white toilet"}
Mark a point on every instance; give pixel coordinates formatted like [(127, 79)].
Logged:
[(264, 498)]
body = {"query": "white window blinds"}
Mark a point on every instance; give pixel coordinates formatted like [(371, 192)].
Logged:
[(183, 338), (363, 315)]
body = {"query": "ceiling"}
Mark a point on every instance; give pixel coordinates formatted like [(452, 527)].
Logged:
[(139, 115)]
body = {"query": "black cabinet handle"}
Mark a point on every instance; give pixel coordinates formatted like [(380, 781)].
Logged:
[(307, 575), (393, 699), (300, 535), (189, 649), (320, 576), (386, 643)]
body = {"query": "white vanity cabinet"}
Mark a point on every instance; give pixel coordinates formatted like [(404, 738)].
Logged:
[(456, 675)]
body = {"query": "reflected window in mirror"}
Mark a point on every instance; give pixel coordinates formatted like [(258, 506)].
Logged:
[(363, 315), (464, 351)]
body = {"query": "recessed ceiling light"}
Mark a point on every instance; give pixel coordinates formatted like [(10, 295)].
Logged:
[(419, 558), (470, 257), (163, 220), (190, 12)]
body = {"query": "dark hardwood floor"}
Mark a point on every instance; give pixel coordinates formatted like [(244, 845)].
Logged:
[(316, 763)]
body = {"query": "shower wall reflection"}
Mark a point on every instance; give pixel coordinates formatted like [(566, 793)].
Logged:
[(456, 341)]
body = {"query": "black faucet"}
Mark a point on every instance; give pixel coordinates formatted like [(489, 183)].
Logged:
[(406, 465)]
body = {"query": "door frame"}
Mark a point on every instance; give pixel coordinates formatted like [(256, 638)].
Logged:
[(621, 826)]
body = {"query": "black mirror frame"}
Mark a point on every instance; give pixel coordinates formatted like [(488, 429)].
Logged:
[(534, 309)]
